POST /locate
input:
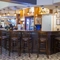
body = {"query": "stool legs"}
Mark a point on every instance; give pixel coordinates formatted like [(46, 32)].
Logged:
[(9, 47), (38, 48), (47, 52), (0, 46), (29, 48)]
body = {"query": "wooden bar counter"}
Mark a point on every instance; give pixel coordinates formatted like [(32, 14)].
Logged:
[(34, 36)]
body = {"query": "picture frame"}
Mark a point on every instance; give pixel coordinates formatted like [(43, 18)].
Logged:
[(58, 22)]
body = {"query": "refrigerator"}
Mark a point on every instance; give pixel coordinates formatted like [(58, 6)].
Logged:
[(29, 23)]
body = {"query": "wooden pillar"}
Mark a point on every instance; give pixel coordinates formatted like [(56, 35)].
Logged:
[(17, 19), (51, 11)]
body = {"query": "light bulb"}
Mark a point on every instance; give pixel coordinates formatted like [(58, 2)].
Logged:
[(28, 13), (36, 14), (0, 15), (56, 12), (8, 14), (15, 14), (3, 14)]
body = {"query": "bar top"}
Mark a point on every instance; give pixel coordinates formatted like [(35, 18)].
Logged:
[(14, 30), (3, 29)]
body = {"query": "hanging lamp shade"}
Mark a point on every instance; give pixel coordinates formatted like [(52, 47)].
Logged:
[(4, 13), (0, 13), (8, 12), (15, 13), (56, 12)]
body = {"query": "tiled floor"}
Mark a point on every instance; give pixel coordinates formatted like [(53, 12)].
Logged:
[(14, 56)]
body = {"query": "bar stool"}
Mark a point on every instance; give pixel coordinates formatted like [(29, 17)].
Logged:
[(7, 40), (14, 42), (26, 42), (43, 43), (4, 38), (57, 42)]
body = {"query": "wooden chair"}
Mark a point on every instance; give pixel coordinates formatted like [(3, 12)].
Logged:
[(14, 42), (26, 42), (43, 43)]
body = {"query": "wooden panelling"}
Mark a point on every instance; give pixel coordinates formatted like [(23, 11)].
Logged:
[(36, 11), (26, 11), (21, 13)]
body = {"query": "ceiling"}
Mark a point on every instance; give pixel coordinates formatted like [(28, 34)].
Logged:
[(12, 7), (7, 4), (25, 2)]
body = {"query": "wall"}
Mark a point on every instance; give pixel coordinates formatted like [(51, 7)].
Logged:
[(49, 23), (56, 1), (46, 22), (56, 26)]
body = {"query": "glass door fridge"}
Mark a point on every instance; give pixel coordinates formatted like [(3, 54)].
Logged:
[(29, 23)]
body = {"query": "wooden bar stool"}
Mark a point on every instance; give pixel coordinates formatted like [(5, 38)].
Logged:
[(4, 38), (43, 43), (26, 42), (14, 43)]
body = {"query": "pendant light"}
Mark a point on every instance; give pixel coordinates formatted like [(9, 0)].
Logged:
[(42, 9), (8, 12), (15, 10), (4, 13), (15, 13), (0, 13), (56, 12)]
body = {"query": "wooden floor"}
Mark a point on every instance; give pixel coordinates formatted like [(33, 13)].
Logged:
[(14, 56)]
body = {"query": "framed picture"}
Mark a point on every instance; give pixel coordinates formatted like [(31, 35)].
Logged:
[(58, 22), (38, 20)]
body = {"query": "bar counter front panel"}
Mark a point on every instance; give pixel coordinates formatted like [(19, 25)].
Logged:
[(34, 36)]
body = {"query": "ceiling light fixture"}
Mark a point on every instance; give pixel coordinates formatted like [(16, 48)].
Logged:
[(4, 13), (42, 9), (56, 7), (15, 13), (0, 13), (8, 12)]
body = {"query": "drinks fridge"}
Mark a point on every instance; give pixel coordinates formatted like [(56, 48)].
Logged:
[(29, 23)]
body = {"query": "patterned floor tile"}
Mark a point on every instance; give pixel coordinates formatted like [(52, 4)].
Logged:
[(14, 56)]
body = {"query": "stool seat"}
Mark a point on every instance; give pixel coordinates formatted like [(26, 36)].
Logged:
[(14, 38), (3, 37), (42, 39), (25, 39), (58, 38)]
